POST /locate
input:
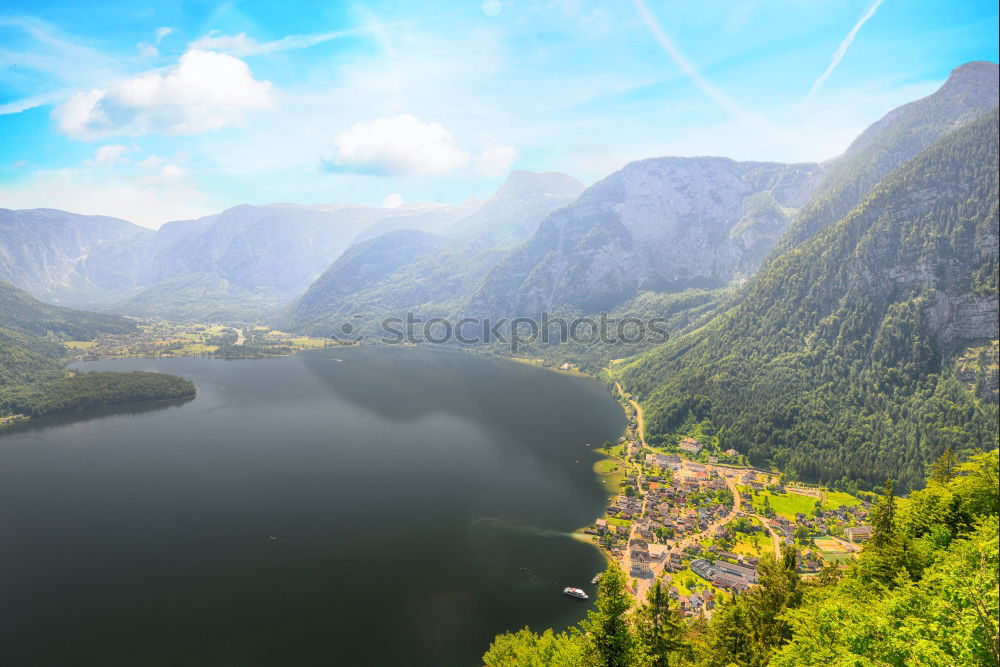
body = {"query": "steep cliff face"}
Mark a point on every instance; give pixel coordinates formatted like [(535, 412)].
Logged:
[(67, 258), (659, 224)]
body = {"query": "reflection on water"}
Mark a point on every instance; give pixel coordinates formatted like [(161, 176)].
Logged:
[(420, 502), (84, 416)]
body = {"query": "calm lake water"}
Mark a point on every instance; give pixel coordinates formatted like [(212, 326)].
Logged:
[(419, 498)]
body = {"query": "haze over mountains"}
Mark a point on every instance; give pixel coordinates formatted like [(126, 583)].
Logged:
[(542, 242), (237, 264), (870, 295)]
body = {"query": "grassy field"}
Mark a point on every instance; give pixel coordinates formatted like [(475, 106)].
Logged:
[(304, 342), (745, 544), (196, 348), (835, 499), (611, 473), (837, 557), (80, 344), (687, 582), (833, 551), (606, 466), (784, 504)]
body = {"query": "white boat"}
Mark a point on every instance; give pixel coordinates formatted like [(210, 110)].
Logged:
[(575, 593), (597, 578)]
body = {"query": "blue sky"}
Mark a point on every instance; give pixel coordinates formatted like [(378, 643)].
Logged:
[(162, 111)]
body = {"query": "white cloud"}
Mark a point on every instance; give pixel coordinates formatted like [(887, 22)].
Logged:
[(147, 50), (404, 145), (242, 45), (109, 155), (395, 200), (205, 91), (214, 41), (495, 159), (491, 7), (152, 162), (169, 173)]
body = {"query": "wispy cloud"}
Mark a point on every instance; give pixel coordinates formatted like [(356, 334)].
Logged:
[(241, 45), (703, 84), (838, 55)]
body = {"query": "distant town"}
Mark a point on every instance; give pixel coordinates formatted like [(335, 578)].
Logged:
[(159, 338), (699, 519)]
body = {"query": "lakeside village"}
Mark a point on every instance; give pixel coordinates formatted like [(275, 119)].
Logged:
[(157, 338), (699, 520)]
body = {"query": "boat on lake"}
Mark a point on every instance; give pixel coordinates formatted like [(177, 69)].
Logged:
[(575, 593)]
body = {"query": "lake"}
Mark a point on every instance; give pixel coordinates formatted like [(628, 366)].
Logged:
[(349, 506)]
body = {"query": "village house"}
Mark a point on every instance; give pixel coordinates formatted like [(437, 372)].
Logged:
[(858, 533), (730, 582), (639, 557), (690, 445), (674, 563), (702, 568), (748, 574)]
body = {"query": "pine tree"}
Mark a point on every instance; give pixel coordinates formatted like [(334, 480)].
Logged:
[(608, 629), (658, 627), (943, 469), (884, 518)]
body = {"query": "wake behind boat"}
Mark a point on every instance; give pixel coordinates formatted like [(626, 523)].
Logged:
[(575, 593)]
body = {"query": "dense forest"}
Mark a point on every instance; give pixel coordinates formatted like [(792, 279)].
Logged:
[(924, 591), (33, 379), (836, 363), (92, 390)]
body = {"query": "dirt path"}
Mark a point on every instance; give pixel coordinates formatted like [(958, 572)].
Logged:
[(775, 538)]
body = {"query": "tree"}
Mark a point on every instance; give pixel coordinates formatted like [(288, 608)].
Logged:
[(526, 649), (944, 468), (609, 633), (750, 629), (883, 518), (659, 631)]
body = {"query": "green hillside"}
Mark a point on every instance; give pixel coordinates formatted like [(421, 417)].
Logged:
[(33, 380), (836, 362)]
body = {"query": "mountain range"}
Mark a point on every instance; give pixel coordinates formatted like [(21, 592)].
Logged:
[(236, 264), (837, 320)]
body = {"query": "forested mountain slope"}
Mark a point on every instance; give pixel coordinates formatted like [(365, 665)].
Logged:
[(21, 312), (836, 361), (969, 92)]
